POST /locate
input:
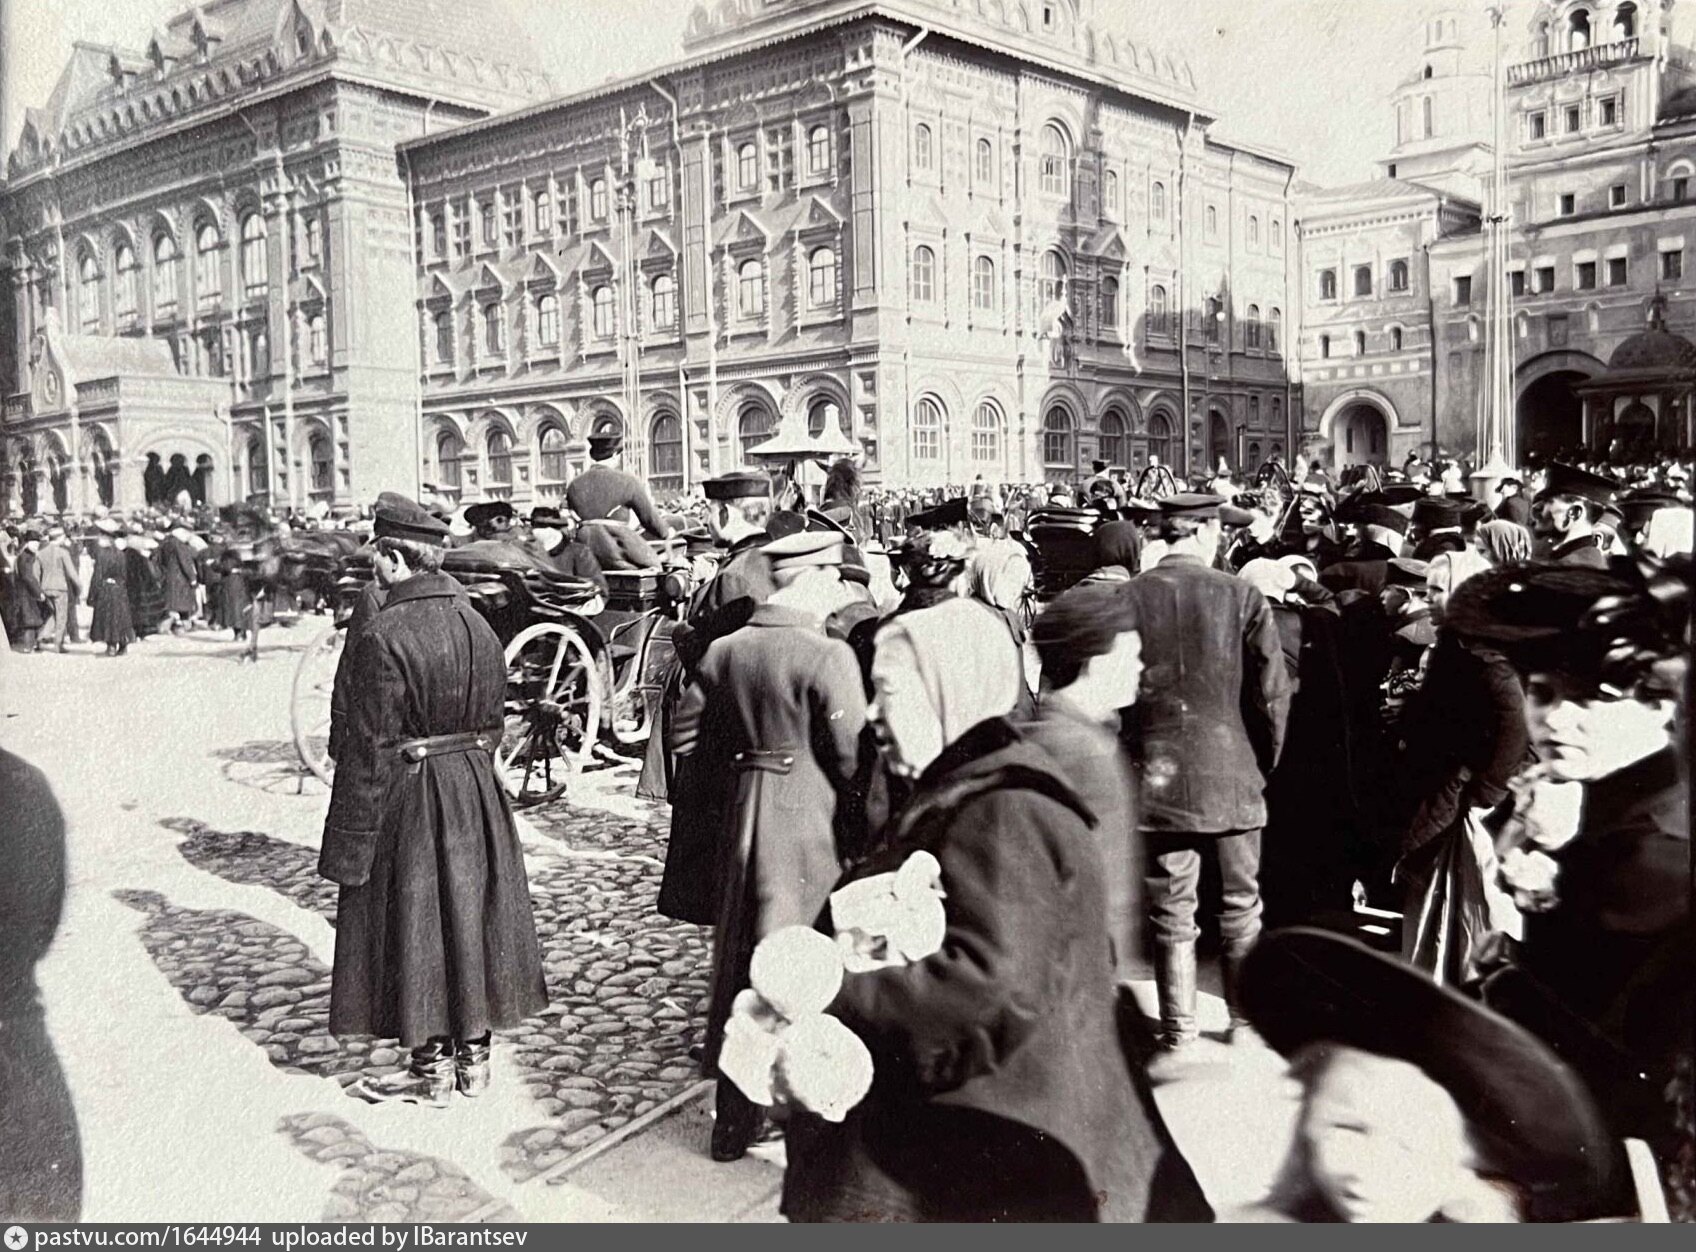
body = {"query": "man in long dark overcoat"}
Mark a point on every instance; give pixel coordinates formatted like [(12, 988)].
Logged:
[(178, 570), (779, 706), (435, 940), (1204, 737)]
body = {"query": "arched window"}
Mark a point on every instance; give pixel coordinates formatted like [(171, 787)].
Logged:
[(1541, 47), (1327, 284), (1057, 439), (985, 163), (1212, 222), (208, 284), (754, 426), (88, 294), (318, 344), (494, 328), (1251, 331), (1578, 31), (924, 156), (601, 300), (665, 453), (924, 275), (1110, 191), (821, 279), (818, 150), (1324, 346), (314, 240), (1360, 343), (983, 284), (1253, 457), (1110, 303), (750, 289), (1157, 202), (1275, 330), (747, 167), (1113, 437), (823, 413), (323, 466), (1363, 280), (1395, 339), (1427, 73), (1398, 275), (663, 304), (449, 449), (1159, 314), (491, 230), (255, 267), (258, 353), (551, 463), (1625, 21), (444, 336), (164, 276), (438, 234), (547, 320), (1054, 165), (598, 199), (1213, 319), (1426, 107), (1052, 275), (927, 430), (986, 434), (1160, 437), (1253, 231), (543, 206), (258, 467), (124, 289), (499, 449)]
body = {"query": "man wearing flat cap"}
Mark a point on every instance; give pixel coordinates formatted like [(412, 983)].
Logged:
[(1571, 501), (1204, 737), (604, 496), (778, 706), (435, 941)]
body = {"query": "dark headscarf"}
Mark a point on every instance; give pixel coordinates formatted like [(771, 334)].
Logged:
[(1119, 543)]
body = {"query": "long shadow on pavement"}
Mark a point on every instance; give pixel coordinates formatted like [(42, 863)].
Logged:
[(269, 765), (627, 987), (383, 1186)]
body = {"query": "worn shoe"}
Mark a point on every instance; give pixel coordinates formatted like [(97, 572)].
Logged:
[(471, 1067), (429, 1078)]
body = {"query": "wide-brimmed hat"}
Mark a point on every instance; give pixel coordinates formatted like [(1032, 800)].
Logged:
[(489, 511), (1535, 1118)]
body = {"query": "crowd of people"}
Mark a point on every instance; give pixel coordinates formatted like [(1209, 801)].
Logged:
[(1409, 764)]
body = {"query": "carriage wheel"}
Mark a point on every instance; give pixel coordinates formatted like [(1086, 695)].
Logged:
[(309, 704), (553, 712)]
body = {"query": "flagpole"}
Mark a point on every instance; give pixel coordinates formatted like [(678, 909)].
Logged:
[(1496, 436)]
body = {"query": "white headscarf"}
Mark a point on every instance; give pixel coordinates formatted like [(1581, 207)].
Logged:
[(1269, 578), (962, 657), (1450, 569)]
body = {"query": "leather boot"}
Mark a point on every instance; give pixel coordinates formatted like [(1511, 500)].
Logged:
[(471, 1066), (427, 1079), (1174, 980), (1230, 973)]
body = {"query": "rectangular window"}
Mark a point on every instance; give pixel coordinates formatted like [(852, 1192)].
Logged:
[(1537, 126), (1672, 265), (512, 220), (1584, 275), (659, 192), (1516, 282), (1574, 119), (780, 158), (1545, 279), (461, 232), (1609, 112), (1616, 271), (1616, 196), (486, 210), (544, 213), (1568, 205), (1680, 189), (1463, 289)]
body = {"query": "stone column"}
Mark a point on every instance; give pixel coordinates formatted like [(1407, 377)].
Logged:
[(23, 322)]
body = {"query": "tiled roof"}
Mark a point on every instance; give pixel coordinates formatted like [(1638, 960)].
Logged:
[(481, 28)]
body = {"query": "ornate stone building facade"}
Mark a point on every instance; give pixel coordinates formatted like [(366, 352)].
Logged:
[(1601, 135), (975, 238), (230, 192)]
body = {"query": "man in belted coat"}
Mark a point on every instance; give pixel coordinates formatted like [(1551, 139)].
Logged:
[(435, 941), (780, 706), (1204, 736), (604, 496)]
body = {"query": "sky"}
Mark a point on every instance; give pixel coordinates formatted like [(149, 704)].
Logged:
[(1311, 78)]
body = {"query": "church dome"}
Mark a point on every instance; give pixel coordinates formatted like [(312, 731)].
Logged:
[(1654, 349)]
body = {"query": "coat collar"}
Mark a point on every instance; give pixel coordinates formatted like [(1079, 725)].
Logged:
[(1180, 558), (755, 540), (422, 587), (782, 615)]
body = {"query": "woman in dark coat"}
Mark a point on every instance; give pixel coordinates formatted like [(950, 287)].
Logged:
[(435, 940), (234, 598), (1001, 1089), (146, 588), (177, 569), (109, 593), (24, 617)]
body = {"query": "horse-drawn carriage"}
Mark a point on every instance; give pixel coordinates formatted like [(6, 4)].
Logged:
[(584, 669)]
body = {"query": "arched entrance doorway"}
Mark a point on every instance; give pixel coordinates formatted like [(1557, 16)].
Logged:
[(1218, 440), (1361, 437), (1550, 415)]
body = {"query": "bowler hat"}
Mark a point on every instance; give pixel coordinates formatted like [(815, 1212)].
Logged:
[(1437, 513), (488, 511), (605, 445), (737, 485)]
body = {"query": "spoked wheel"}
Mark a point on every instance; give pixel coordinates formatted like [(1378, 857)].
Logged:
[(309, 704), (553, 712)]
